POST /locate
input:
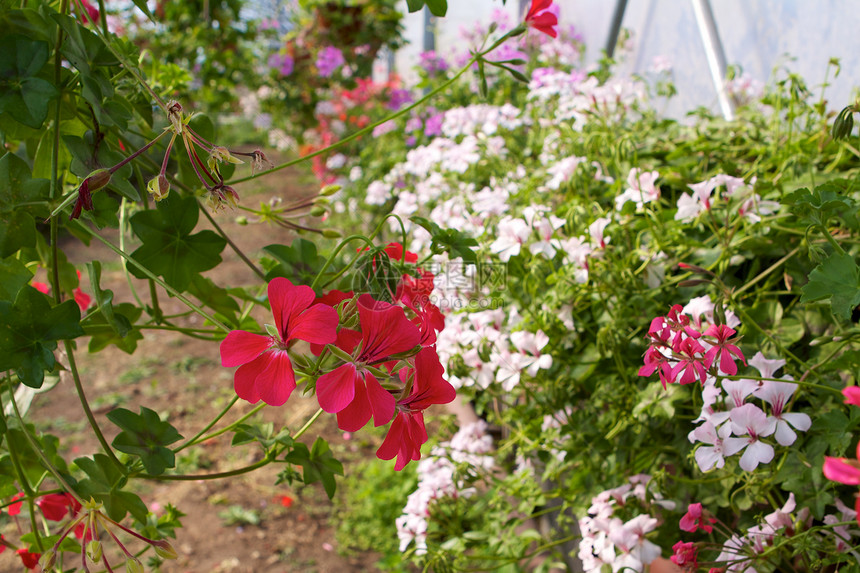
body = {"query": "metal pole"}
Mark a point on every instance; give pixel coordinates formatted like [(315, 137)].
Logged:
[(429, 30), (714, 53), (615, 27)]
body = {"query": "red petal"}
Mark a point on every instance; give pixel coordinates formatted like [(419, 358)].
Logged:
[(392, 444), (277, 381), (358, 411), (245, 379), (287, 302), (318, 325), (381, 402), (429, 387), (336, 389), (241, 347), (385, 329)]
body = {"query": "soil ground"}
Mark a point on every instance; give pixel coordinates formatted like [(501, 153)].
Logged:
[(181, 378)]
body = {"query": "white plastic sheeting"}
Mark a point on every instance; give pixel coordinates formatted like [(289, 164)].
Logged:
[(757, 35)]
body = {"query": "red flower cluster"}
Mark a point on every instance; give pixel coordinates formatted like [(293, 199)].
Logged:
[(543, 16), (386, 369), (680, 353)]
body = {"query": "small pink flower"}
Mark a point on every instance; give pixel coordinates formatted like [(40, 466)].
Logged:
[(693, 520), (685, 555), (851, 393), (690, 365), (723, 349), (843, 470)]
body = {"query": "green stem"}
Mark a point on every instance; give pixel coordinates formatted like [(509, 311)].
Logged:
[(308, 424), (157, 314), (208, 427), (122, 228), (226, 429), (79, 389), (353, 136), (233, 245), (154, 277), (37, 448), (194, 477)]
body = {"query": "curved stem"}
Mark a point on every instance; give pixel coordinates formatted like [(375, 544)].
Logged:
[(233, 245), (308, 424), (264, 462), (208, 427), (122, 228), (79, 389), (438, 89), (38, 449), (226, 429)]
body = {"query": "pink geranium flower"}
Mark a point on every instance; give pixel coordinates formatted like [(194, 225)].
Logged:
[(685, 555), (265, 370), (543, 16), (693, 520), (843, 470), (351, 390), (852, 395), (750, 422), (690, 365), (407, 432), (723, 349)]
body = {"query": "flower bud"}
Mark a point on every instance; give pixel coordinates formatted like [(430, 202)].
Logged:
[(164, 549), (94, 550), (331, 234), (242, 220), (158, 187), (318, 211), (48, 560), (134, 566), (329, 190), (97, 179)]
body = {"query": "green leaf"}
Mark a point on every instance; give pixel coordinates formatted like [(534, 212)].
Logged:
[(262, 433), (457, 243), (123, 312), (414, 5), (104, 482), (13, 276), (318, 464), (145, 435), (836, 278), (16, 233), (141, 5), (437, 7), (298, 262), (216, 298), (169, 249), (29, 331), (24, 97)]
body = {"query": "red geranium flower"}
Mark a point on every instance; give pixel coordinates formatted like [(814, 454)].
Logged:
[(265, 371), (543, 16), (55, 506), (350, 390), (30, 560), (407, 432)]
